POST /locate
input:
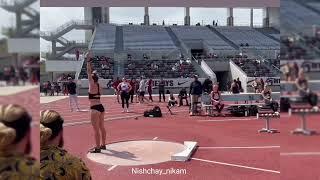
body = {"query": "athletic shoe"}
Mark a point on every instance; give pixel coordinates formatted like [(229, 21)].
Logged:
[(95, 150), (128, 110), (123, 110), (103, 147)]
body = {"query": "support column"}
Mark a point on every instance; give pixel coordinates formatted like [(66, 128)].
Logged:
[(230, 17), (266, 16), (18, 23), (146, 16), (251, 17), (54, 49), (106, 15), (187, 16)]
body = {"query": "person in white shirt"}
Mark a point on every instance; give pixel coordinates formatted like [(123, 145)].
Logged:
[(124, 88)]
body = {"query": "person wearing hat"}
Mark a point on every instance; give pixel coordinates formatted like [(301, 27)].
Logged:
[(194, 93), (56, 162), (15, 144), (73, 98)]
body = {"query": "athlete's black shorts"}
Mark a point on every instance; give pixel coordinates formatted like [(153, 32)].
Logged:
[(98, 107)]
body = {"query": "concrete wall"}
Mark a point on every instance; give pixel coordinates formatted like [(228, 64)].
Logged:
[(236, 72), (63, 66), (274, 18)]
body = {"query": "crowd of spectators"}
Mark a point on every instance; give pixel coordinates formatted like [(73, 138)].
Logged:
[(182, 68), (26, 73)]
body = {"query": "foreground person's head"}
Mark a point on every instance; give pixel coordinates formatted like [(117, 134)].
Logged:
[(51, 129), (15, 144), (14, 129), (56, 162)]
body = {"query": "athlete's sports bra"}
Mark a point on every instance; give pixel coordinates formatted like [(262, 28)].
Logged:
[(95, 96)]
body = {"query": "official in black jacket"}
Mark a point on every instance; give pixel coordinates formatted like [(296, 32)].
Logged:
[(195, 92)]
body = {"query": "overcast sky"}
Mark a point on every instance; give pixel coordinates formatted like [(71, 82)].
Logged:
[(53, 17)]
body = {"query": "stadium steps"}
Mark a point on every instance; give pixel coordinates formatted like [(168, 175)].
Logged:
[(119, 63), (267, 33), (177, 42), (224, 38), (119, 40), (303, 3)]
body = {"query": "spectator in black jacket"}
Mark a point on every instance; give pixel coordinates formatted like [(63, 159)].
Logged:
[(207, 85), (195, 92)]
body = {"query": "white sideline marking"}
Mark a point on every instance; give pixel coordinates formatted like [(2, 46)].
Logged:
[(155, 138), (106, 119), (236, 165), (223, 120), (112, 167), (300, 154), (242, 147)]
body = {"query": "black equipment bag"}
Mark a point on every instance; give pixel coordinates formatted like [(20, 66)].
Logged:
[(155, 112), (238, 111), (284, 104), (253, 110)]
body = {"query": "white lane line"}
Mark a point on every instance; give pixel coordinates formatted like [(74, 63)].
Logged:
[(301, 154), (155, 138), (236, 165), (106, 119), (241, 147), (223, 120), (112, 167)]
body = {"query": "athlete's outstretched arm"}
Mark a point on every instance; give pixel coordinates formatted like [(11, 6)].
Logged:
[(89, 66)]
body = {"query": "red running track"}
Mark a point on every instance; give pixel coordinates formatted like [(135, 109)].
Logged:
[(300, 155), (29, 100), (220, 164)]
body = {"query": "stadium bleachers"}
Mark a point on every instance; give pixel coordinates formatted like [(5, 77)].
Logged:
[(103, 67), (302, 48), (104, 39), (146, 38), (293, 22), (186, 33), (159, 68), (248, 37), (255, 68)]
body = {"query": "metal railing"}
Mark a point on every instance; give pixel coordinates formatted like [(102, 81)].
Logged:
[(65, 26)]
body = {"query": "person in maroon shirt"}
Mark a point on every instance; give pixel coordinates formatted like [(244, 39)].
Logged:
[(114, 86), (132, 92), (150, 86)]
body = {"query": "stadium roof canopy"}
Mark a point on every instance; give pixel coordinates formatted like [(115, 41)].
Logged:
[(162, 3)]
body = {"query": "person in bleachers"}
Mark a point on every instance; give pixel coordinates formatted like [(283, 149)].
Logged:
[(162, 91), (207, 85), (15, 144), (195, 93), (235, 87), (304, 90), (269, 102), (216, 99), (240, 85), (183, 95), (56, 162)]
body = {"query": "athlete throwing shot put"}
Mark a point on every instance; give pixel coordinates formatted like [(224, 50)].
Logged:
[(97, 109)]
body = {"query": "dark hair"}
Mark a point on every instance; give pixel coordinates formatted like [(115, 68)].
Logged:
[(21, 125), (95, 77)]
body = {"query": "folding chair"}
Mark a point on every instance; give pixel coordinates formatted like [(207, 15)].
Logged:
[(206, 103)]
